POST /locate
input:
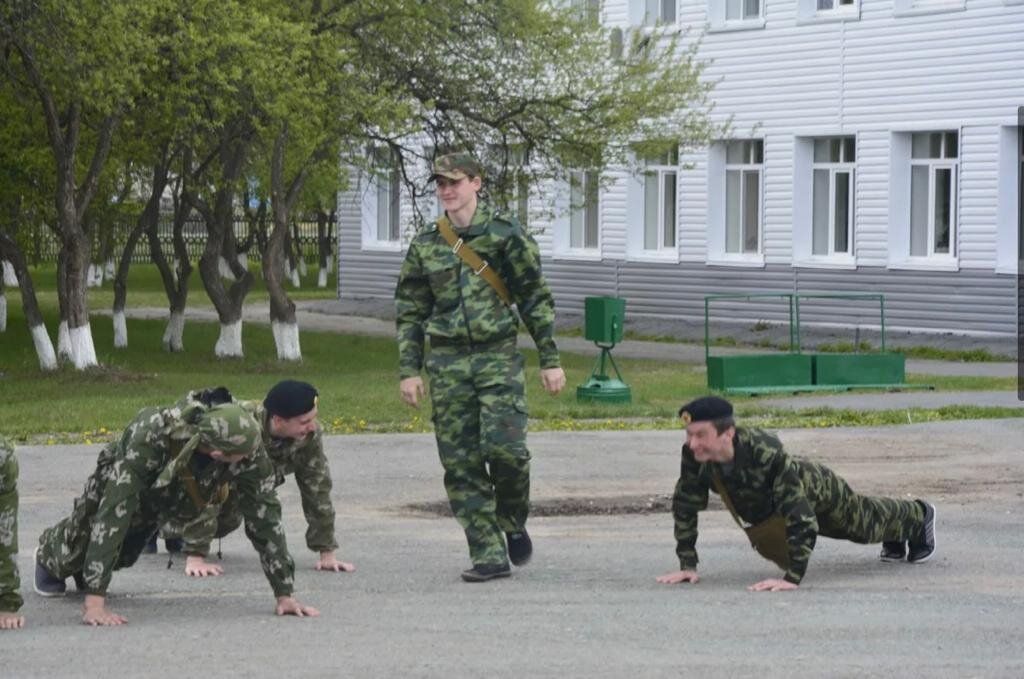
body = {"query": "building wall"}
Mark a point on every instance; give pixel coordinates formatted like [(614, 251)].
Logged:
[(890, 70)]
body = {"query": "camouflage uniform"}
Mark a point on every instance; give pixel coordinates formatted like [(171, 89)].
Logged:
[(764, 480), (302, 457), (474, 369), (10, 583), (141, 481)]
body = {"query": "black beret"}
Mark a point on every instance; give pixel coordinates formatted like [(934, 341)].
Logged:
[(705, 409), (290, 398)]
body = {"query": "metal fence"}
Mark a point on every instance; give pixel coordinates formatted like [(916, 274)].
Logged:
[(44, 245)]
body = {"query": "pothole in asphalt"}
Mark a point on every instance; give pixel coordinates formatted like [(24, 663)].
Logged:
[(570, 506)]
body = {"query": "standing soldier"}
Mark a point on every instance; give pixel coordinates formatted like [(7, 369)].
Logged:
[(10, 583), (294, 441), (456, 288), (169, 464), (789, 501)]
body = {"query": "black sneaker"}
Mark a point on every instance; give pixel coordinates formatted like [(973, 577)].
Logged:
[(174, 545), (150, 547), (45, 584), (923, 547), (485, 572), (893, 551), (520, 547)]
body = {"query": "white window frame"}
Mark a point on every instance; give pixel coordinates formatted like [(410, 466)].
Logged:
[(635, 211), (664, 172), (587, 11), (900, 202), (584, 209), (843, 166), (371, 216), (1010, 201), (808, 11), (718, 208), (719, 19), (641, 14), (743, 169), (903, 8), (804, 166)]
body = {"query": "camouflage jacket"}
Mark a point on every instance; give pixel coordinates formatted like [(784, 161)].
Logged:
[(10, 582), (440, 297), (306, 460), (764, 480), (129, 470)]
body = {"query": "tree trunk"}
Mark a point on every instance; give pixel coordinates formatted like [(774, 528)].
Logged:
[(175, 280), (150, 216), (282, 310), (220, 228), (33, 318)]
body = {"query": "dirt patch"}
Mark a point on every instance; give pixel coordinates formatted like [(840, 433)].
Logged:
[(570, 506)]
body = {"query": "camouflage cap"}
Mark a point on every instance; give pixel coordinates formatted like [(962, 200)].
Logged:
[(456, 166), (229, 428)]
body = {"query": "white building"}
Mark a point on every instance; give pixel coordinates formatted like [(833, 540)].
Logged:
[(876, 147)]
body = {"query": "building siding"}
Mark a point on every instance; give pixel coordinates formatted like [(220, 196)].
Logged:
[(879, 75)]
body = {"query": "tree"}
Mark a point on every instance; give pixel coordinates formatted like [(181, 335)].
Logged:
[(84, 62)]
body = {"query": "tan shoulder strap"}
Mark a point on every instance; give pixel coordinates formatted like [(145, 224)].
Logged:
[(473, 260), (720, 488)]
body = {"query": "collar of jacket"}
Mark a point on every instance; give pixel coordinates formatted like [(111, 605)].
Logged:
[(478, 225)]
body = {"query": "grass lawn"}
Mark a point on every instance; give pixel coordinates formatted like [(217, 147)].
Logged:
[(355, 375)]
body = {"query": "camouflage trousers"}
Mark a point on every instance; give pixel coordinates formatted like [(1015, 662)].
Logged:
[(10, 582), (861, 518), (196, 534), (479, 414), (63, 547)]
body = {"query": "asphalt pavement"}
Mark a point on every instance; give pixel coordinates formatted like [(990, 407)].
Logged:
[(587, 605)]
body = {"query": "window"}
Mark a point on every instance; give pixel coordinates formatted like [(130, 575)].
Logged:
[(933, 182), (511, 187), (382, 203), (587, 11), (832, 212), (741, 10), (744, 161), (814, 11), (828, 5), (651, 12), (659, 201), (583, 210)]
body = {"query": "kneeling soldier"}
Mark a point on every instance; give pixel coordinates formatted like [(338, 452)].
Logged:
[(10, 583), (169, 464), (789, 501), (293, 439)]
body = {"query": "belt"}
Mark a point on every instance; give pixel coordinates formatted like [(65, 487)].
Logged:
[(461, 346)]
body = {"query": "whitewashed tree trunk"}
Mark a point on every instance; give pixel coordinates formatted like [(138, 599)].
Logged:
[(225, 269), (90, 278), (296, 281), (109, 270), (286, 337), (243, 259), (10, 278), (83, 351), (44, 348), (321, 281), (3, 312), (174, 271), (229, 344), (303, 269), (120, 331), (330, 265), (174, 332), (64, 343)]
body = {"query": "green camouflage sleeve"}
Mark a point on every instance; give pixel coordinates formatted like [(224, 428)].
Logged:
[(532, 295), (313, 476), (262, 513), (10, 582), (413, 304), (689, 498), (122, 483), (801, 523)]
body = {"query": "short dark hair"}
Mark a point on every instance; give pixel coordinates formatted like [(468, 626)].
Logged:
[(723, 423)]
